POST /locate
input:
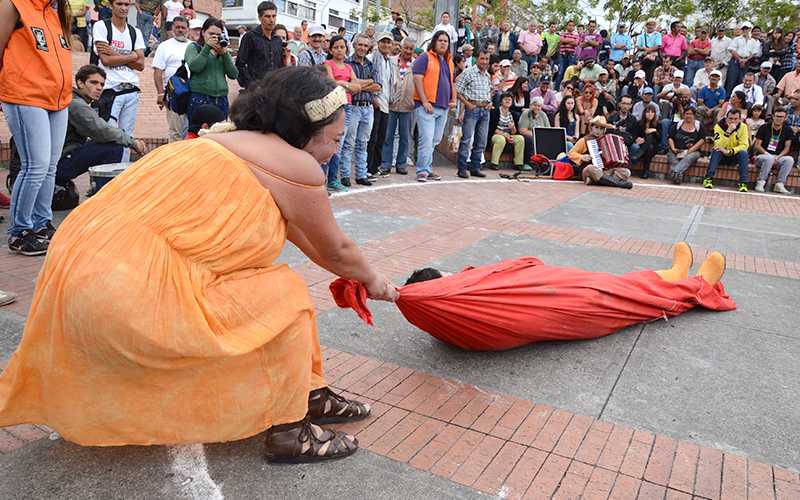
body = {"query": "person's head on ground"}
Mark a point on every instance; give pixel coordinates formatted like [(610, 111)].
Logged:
[(204, 116), (338, 48), (267, 16), (180, 28), (299, 104), (212, 29), (440, 43), (89, 81), (424, 274)]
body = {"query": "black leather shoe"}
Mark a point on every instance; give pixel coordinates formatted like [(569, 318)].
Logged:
[(364, 182), (463, 174), (346, 181), (402, 171), (477, 173)]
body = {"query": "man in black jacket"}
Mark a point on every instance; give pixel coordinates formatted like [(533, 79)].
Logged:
[(260, 51)]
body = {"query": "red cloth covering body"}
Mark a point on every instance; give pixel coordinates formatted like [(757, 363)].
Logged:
[(522, 301)]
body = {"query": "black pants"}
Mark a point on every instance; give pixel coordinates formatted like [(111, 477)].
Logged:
[(376, 139), (88, 155)]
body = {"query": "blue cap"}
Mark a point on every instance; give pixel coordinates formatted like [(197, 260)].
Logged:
[(647, 90)]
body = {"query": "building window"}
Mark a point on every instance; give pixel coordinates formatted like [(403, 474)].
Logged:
[(303, 9), (232, 3)]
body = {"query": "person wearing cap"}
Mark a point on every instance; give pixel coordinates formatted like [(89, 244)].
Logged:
[(606, 87), (385, 77), (753, 93), (260, 51), (772, 145), (634, 88), (313, 55), (699, 49), (579, 156), (731, 141), (549, 98), (195, 27), (590, 71), (647, 98), (468, 51), (648, 46), (668, 90), (475, 93), (711, 97), (519, 66), (766, 81), (720, 53), (621, 43), (505, 78), (674, 44), (744, 51)]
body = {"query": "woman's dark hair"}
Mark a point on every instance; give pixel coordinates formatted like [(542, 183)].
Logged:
[(508, 95), (209, 22), (742, 98), (424, 274), (643, 122), (191, 4), (435, 37), (88, 70), (65, 19), (517, 87), (334, 39), (563, 112), (276, 104)]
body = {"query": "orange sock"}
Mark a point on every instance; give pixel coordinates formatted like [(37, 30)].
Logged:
[(681, 262), (712, 268)]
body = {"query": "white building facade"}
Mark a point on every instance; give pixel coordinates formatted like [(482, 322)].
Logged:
[(332, 13)]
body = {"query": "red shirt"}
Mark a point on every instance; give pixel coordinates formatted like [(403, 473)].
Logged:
[(699, 44)]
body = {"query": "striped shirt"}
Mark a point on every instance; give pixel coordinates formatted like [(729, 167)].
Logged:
[(504, 122), (567, 36)]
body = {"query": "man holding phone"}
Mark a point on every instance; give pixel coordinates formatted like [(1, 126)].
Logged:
[(121, 59)]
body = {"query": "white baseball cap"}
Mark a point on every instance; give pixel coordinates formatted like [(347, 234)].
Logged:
[(640, 74), (677, 74), (716, 72), (316, 30), (195, 24), (505, 62), (766, 64), (746, 25)]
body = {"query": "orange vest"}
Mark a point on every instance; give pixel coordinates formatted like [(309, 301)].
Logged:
[(37, 61), (430, 80)]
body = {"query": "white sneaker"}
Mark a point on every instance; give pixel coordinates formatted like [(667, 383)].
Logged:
[(760, 186), (780, 188)]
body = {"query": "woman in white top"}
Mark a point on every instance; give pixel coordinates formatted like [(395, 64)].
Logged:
[(169, 10)]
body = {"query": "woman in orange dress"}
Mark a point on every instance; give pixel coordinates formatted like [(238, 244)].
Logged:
[(160, 315)]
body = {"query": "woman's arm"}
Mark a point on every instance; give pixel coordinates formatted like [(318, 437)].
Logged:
[(197, 61), (8, 20), (230, 67)]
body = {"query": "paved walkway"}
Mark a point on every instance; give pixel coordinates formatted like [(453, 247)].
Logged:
[(702, 406)]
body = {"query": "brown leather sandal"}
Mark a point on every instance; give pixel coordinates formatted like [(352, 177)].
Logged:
[(304, 442), (326, 407)]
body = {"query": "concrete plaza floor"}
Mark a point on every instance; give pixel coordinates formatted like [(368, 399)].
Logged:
[(705, 405)]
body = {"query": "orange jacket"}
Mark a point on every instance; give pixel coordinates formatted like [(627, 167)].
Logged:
[(430, 80), (37, 62)]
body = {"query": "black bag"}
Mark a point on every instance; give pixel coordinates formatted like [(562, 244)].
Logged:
[(65, 197), (93, 57), (106, 101)]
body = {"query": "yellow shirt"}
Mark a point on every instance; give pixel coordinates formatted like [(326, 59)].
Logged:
[(78, 10)]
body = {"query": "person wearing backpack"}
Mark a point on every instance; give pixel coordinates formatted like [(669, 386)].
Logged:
[(314, 54), (35, 90), (169, 57), (120, 52)]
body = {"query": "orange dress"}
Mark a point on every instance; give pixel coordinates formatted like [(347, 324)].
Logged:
[(160, 316)]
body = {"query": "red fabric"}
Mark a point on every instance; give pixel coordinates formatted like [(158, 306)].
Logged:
[(521, 301), (562, 171), (614, 151), (352, 294)]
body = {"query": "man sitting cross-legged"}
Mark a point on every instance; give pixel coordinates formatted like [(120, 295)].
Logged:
[(90, 140), (579, 155)]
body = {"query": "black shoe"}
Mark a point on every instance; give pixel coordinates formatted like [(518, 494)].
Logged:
[(384, 173), (492, 166), (477, 173), (370, 178), (346, 181), (46, 233), (364, 182), (434, 177), (27, 243), (677, 178), (463, 174), (402, 171), (645, 174)]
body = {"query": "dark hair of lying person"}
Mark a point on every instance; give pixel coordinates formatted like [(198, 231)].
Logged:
[(424, 274)]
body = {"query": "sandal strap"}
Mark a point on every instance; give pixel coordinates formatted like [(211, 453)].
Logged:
[(337, 406)]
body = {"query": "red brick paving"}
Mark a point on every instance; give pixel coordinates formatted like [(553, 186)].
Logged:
[(497, 443)]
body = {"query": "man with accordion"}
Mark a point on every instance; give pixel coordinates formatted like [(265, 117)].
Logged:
[(602, 158)]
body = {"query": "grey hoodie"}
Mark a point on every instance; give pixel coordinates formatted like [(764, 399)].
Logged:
[(85, 124)]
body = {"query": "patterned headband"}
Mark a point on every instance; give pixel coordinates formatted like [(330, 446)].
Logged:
[(320, 109)]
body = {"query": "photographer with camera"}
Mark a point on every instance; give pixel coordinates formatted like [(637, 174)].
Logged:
[(209, 63)]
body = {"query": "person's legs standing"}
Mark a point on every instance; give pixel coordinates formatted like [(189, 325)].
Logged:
[(479, 140), (144, 21), (42, 208), (666, 123), (426, 124), (124, 110), (364, 118), (387, 149), (404, 136), (376, 140), (178, 125), (467, 134), (691, 68), (735, 73), (346, 151), (79, 160)]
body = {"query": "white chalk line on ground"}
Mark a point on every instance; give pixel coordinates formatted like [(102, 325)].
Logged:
[(190, 473), (370, 189)]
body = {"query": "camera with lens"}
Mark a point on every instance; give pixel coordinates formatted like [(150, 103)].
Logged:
[(224, 41)]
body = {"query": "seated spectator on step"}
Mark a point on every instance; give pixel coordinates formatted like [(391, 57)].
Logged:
[(624, 68), (567, 118), (606, 86), (203, 118), (766, 81), (703, 76), (686, 139), (530, 119), (668, 90), (521, 97), (590, 71), (588, 106), (623, 123), (772, 146), (580, 157), (635, 86), (506, 133), (672, 112), (713, 95), (752, 92), (736, 101), (793, 112), (663, 74), (518, 65), (755, 119), (647, 137), (573, 71), (505, 78), (790, 82), (731, 141), (647, 99), (90, 140), (549, 99)]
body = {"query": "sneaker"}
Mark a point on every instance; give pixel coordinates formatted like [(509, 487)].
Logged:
[(346, 181), (780, 188), (707, 183), (402, 171), (523, 168), (370, 177), (7, 298), (46, 233), (384, 173), (364, 182), (434, 176), (677, 177), (422, 177), (760, 186), (337, 187), (742, 187), (27, 243)]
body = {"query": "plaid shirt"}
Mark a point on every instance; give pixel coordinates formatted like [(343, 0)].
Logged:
[(363, 71), (793, 117), (474, 84)]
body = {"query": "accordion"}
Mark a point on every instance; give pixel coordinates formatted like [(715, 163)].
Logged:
[(613, 151)]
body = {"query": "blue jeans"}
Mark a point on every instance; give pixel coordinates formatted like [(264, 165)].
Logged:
[(718, 158), (331, 169), (196, 99), (475, 130), (402, 121), (144, 21), (90, 154), (691, 69), (634, 153), (564, 61), (430, 128), (123, 113), (39, 136), (358, 122), (666, 124)]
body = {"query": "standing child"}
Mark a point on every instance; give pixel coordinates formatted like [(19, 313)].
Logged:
[(188, 9)]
